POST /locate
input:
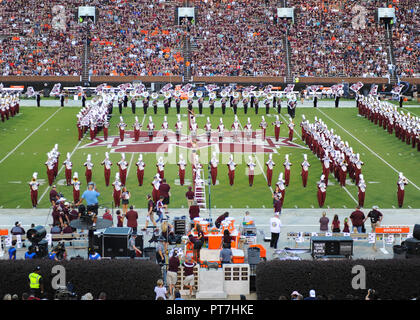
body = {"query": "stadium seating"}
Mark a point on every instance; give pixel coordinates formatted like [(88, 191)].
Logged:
[(228, 38)]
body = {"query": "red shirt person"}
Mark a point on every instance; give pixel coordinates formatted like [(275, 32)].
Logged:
[(357, 218), (132, 217)]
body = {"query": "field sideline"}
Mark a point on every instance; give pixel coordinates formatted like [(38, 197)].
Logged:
[(26, 139)]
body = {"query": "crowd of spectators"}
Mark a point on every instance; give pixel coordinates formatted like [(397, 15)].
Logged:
[(237, 38), (227, 37)]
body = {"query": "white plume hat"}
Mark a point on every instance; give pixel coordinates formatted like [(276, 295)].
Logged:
[(305, 157), (123, 156), (35, 175), (140, 157), (76, 175)]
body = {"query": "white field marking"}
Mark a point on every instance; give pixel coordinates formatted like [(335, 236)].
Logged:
[(1, 207), (312, 206), (259, 164), (61, 169), (373, 152), (410, 112), (393, 207), (18, 207), (39, 127), (129, 165), (351, 196), (409, 207)]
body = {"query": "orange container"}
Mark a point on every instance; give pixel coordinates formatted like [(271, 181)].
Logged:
[(204, 226), (263, 252), (4, 232), (238, 256), (231, 222), (214, 241)]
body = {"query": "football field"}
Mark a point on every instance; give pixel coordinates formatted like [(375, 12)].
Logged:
[(26, 139)]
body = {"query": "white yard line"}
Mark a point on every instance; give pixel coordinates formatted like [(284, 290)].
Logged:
[(23, 141), (258, 162), (373, 152), (129, 165), (351, 196)]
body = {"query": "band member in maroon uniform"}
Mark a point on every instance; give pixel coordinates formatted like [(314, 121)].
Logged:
[(160, 165), (136, 127), (322, 191), (68, 166), (178, 127), (207, 128), (305, 170), (117, 190), (181, 169), (122, 164), (280, 189), (291, 126), (231, 165), (263, 126), (107, 168), (92, 129), (402, 182), (287, 164), (106, 126), (213, 168), (89, 165), (362, 190), (165, 127), (326, 166), (251, 169), (121, 127), (79, 129), (277, 124), (156, 185), (343, 173), (76, 188), (221, 129), (50, 169), (33, 186), (140, 169), (270, 165), (150, 128)]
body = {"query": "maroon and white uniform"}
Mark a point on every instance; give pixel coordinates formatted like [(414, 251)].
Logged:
[(291, 126), (281, 188), (80, 130), (322, 192), (160, 165), (358, 168), (263, 126), (68, 167), (231, 166), (276, 125), (76, 188), (156, 184), (107, 168), (362, 190), (213, 168), (33, 186), (193, 129), (270, 165), (165, 127), (150, 129), (251, 171), (235, 128), (136, 127), (122, 164), (89, 165), (92, 130), (50, 169), (121, 126), (287, 164), (140, 169), (248, 129), (221, 129), (305, 170), (402, 182), (326, 167), (181, 169), (117, 190), (178, 127), (207, 128), (106, 126), (343, 173)]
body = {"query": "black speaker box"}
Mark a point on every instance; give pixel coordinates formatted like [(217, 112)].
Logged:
[(150, 252), (413, 248), (416, 231), (115, 246)]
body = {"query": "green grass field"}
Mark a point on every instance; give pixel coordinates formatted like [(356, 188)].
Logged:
[(26, 139)]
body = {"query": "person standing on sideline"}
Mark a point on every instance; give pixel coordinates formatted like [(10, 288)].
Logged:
[(132, 246), (323, 222), (189, 273), (335, 224), (357, 218), (172, 274), (275, 225), (150, 212), (91, 196), (132, 217), (375, 218), (125, 199), (190, 196)]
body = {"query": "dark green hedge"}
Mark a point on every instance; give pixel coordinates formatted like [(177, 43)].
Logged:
[(119, 279), (392, 279)]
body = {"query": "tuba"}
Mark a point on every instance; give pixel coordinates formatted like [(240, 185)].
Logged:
[(212, 95), (145, 94), (199, 94), (223, 94), (191, 94), (155, 95)]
